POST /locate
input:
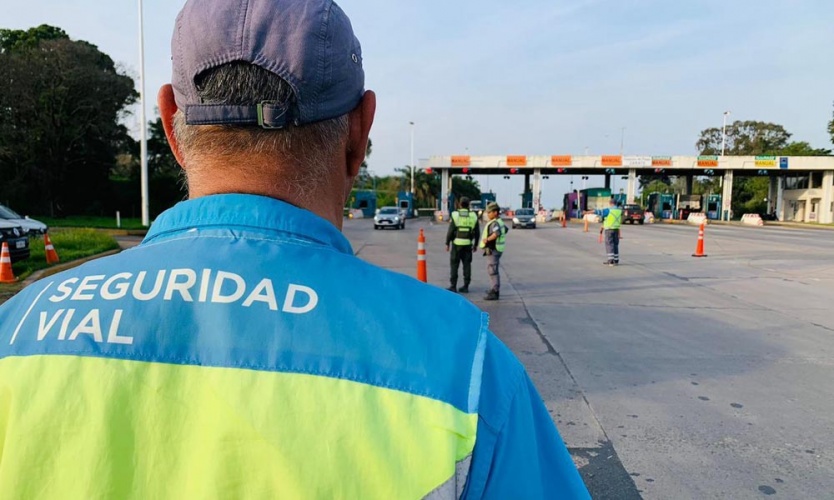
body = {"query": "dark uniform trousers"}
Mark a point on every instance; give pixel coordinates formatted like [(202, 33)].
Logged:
[(461, 254)]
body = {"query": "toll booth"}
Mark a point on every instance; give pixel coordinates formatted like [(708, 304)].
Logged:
[(486, 198), (405, 201), (662, 205), (570, 204), (527, 200), (712, 205), (686, 204), (364, 200), (621, 199), (595, 199)]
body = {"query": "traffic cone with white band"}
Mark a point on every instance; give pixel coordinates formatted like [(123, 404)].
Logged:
[(422, 275), (51, 254), (6, 273), (699, 249)]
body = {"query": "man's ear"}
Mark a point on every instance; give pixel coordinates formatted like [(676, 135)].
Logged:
[(360, 119), (167, 109)]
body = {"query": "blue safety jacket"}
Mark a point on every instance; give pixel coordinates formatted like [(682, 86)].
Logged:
[(243, 351)]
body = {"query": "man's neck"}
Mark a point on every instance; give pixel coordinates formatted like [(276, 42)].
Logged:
[(326, 200)]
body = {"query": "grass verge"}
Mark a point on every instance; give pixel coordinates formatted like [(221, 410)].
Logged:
[(71, 244)]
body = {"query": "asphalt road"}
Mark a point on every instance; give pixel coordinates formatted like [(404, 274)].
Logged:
[(668, 376)]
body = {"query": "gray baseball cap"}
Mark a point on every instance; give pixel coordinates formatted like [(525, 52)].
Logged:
[(308, 43)]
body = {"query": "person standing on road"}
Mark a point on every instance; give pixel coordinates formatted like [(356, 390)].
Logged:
[(462, 239), (612, 219), (492, 241), (229, 355)]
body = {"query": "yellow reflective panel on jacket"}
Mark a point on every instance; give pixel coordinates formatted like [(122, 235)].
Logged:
[(614, 219), (465, 222), (108, 428)]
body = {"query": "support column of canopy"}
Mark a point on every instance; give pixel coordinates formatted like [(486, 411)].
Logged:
[(727, 196), (632, 185)]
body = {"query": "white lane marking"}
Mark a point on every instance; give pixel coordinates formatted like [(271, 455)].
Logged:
[(32, 306)]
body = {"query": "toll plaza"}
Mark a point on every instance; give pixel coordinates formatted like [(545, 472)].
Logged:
[(801, 187)]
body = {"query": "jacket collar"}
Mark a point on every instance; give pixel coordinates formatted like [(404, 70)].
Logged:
[(250, 213)]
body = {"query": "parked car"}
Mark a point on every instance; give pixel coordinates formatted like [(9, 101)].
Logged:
[(633, 213), (30, 226), (14, 236), (524, 217), (389, 217)]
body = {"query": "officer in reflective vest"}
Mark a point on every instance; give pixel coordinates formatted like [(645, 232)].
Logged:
[(460, 238), (492, 241), (612, 219)]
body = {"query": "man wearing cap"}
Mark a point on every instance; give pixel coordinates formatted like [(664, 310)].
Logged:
[(612, 219), (492, 242), (462, 239), (229, 355)]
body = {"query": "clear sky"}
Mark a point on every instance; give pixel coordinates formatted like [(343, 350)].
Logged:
[(539, 77)]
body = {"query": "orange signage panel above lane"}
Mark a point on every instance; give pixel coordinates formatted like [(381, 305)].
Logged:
[(612, 161), (561, 161), (516, 161), (461, 161)]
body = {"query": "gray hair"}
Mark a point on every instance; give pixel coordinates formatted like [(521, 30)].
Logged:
[(307, 149)]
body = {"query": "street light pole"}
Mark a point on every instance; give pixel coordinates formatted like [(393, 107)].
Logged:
[(412, 157), (724, 132), (723, 145), (143, 126)]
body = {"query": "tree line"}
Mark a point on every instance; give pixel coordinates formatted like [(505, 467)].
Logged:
[(65, 149)]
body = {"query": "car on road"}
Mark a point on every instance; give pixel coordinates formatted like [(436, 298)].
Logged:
[(14, 235), (31, 227), (633, 213), (524, 217), (389, 217)]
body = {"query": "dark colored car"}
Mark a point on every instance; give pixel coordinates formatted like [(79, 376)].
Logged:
[(632, 214), (18, 242)]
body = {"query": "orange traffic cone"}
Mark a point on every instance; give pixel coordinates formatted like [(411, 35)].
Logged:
[(600, 235), (6, 273), (51, 254), (422, 275), (699, 250), (564, 220)]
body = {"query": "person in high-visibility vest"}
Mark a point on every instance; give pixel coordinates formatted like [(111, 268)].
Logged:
[(243, 350), (612, 219), (461, 239), (493, 240)]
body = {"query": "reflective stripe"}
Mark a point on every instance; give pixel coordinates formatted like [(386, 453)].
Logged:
[(194, 432), (421, 257), (453, 488)]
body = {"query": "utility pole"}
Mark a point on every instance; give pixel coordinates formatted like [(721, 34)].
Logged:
[(143, 126)]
